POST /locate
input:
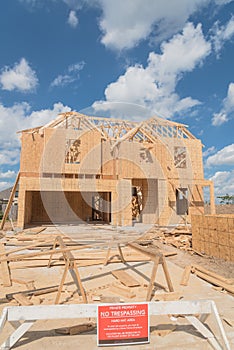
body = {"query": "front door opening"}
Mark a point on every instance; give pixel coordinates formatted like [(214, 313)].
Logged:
[(182, 201)]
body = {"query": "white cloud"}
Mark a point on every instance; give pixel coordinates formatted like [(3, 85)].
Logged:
[(21, 77), (222, 33), (209, 151), (223, 2), (219, 118), (73, 19), (223, 182), (18, 117), (154, 86), (9, 174), (223, 157), (71, 75), (9, 156), (125, 23), (4, 185), (228, 108)]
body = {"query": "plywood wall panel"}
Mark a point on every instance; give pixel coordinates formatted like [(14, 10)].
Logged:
[(215, 236)]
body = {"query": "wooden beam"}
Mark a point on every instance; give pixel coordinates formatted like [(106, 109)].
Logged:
[(11, 198), (125, 278), (6, 278)]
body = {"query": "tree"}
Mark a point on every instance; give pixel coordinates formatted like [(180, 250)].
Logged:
[(226, 199)]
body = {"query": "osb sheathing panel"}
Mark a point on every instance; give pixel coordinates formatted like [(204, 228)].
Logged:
[(46, 153), (140, 160), (52, 206), (32, 146), (214, 235)]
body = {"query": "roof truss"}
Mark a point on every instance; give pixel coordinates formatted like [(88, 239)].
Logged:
[(119, 130)]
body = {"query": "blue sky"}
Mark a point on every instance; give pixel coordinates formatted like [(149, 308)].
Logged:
[(173, 58)]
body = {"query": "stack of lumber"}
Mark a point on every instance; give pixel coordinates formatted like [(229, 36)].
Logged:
[(209, 276), (179, 237)]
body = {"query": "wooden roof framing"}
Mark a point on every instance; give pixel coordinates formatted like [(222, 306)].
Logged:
[(118, 129)]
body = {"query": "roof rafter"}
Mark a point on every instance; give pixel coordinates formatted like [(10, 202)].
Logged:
[(150, 130)]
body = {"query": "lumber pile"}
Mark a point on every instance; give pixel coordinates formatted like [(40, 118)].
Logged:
[(179, 237), (226, 284)]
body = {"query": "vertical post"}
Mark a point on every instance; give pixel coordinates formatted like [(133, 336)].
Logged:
[(11, 198), (212, 198)]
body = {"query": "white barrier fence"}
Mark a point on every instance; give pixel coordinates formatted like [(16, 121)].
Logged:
[(23, 317)]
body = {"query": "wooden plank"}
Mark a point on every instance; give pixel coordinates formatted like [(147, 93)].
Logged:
[(123, 291), (78, 329), (5, 273), (22, 299), (229, 288), (46, 252), (25, 247), (186, 275), (147, 251), (167, 275), (35, 292), (125, 278), (213, 274), (8, 207), (152, 279), (168, 296)]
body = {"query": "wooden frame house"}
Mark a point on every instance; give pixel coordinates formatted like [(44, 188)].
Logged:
[(79, 168)]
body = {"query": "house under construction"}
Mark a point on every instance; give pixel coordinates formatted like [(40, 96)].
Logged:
[(79, 168)]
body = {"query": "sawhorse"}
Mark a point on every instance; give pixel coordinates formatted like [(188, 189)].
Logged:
[(157, 258), (70, 265)]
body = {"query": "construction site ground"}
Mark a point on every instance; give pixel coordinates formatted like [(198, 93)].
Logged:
[(101, 286)]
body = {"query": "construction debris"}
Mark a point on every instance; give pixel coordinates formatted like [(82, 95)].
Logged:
[(125, 278), (73, 330), (163, 330), (179, 237), (209, 276)]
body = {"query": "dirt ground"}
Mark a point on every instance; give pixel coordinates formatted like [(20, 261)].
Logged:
[(98, 282)]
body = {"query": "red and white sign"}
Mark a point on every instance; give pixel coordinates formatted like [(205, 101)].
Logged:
[(120, 324)]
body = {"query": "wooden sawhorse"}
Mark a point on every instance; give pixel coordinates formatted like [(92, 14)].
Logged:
[(157, 258), (70, 265)]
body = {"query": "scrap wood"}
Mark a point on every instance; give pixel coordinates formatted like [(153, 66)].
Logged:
[(16, 250), (47, 252), (213, 274), (106, 299), (169, 254), (34, 230), (34, 292), (78, 329), (199, 253), (22, 299), (168, 296), (29, 284), (186, 275), (229, 322), (125, 278), (163, 330), (5, 272), (125, 292), (228, 287)]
